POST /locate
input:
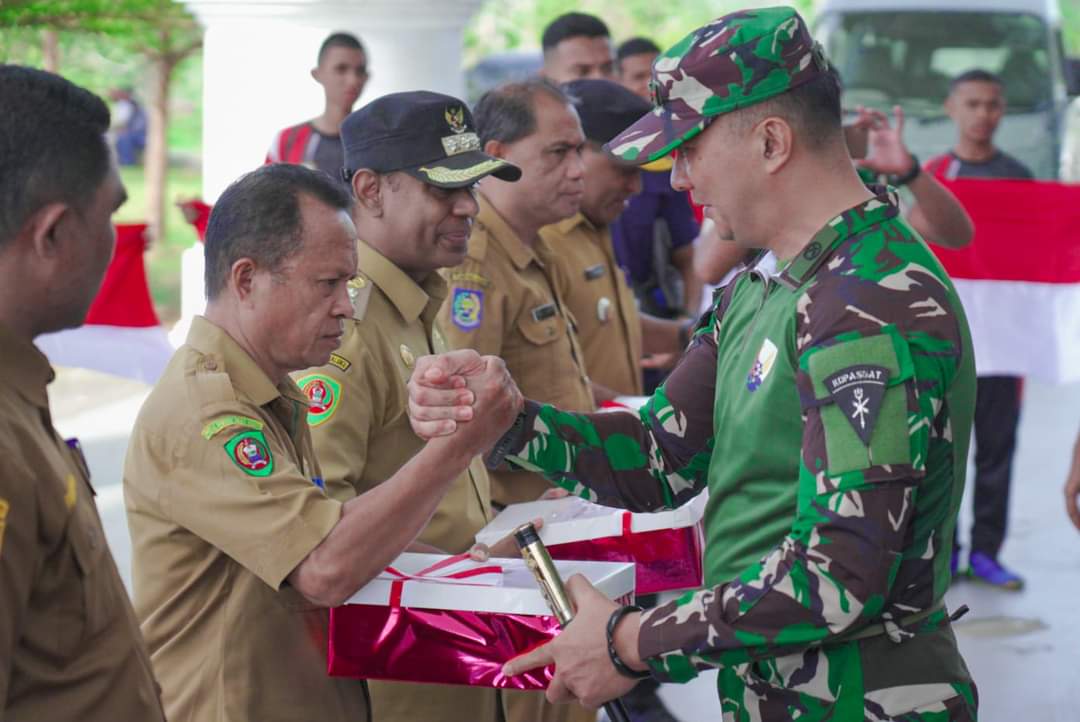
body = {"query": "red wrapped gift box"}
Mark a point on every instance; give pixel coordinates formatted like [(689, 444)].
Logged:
[(665, 547), (436, 619)]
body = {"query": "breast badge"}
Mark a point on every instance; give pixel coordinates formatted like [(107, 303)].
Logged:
[(762, 367), (467, 308), (603, 309)]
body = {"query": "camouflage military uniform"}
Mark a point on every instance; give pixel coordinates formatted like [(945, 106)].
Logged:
[(827, 406)]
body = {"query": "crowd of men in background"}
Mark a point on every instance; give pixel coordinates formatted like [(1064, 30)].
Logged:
[(506, 228)]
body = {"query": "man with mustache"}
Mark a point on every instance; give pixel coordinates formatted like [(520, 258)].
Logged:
[(412, 160), (239, 544), (613, 334)]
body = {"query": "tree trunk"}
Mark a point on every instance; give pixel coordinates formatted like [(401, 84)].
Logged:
[(50, 50), (157, 151)]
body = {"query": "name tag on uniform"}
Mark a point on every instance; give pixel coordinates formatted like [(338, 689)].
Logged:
[(594, 272), (543, 313)]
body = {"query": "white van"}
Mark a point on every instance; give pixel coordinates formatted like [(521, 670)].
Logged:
[(905, 52)]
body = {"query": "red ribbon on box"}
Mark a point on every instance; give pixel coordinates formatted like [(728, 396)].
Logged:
[(428, 574)]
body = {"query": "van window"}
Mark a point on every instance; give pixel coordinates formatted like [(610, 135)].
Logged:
[(908, 58)]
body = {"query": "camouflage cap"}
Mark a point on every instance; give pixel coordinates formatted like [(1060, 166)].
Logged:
[(735, 61)]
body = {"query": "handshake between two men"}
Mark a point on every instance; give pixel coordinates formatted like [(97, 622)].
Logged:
[(461, 392)]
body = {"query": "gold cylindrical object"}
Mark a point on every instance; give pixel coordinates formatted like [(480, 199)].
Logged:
[(539, 562)]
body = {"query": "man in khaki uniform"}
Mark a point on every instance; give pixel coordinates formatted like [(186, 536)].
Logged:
[(70, 647), (504, 299), (413, 159), (613, 333), (239, 545)]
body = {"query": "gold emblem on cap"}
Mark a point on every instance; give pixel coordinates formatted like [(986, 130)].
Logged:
[(455, 144), (407, 356), (455, 118)]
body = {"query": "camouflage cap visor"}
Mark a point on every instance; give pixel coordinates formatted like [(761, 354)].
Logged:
[(653, 137), (736, 61)]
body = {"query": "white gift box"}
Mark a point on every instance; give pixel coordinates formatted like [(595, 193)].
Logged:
[(665, 546), (512, 591), (572, 519), (458, 623)]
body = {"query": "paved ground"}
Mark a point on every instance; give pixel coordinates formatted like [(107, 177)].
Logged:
[(1020, 647)]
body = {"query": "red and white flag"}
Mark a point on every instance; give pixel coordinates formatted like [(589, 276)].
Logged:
[(122, 334), (1020, 278)]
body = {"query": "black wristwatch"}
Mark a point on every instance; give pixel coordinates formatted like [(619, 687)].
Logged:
[(506, 442), (912, 174), (620, 666)]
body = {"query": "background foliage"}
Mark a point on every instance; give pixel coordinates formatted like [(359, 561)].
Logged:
[(104, 44)]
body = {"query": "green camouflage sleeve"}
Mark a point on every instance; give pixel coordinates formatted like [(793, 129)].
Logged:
[(865, 542), (643, 460)]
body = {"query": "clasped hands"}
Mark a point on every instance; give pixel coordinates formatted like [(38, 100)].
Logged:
[(462, 393)]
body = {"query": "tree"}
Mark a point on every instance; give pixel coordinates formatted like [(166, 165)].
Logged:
[(503, 25), (162, 31)]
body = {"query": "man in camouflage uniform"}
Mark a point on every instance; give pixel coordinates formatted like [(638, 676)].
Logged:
[(835, 379)]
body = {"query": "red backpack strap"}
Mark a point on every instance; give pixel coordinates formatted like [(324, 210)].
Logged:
[(294, 143)]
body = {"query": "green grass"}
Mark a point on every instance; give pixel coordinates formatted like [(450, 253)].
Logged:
[(163, 258)]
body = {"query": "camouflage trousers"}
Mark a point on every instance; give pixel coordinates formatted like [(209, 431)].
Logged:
[(852, 682)]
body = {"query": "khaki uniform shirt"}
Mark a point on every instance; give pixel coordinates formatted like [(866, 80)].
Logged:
[(598, 297), (359, 417), (224, 499), (360, 425), (70, 647), (504, 301)]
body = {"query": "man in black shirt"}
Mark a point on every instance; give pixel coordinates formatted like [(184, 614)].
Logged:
[(976, 104)]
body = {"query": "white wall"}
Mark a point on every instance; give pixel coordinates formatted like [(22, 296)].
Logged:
[(258, 56)]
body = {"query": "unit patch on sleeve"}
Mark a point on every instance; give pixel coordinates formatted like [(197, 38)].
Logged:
[(250, 452), (340, 361), (468, 277), (324, 395), (858, 391), (467, 308), (219, 424)]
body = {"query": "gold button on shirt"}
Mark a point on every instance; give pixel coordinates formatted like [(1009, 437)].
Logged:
[(504, 301), (70, 647), (600, 300), (224, 499), (363, 437)]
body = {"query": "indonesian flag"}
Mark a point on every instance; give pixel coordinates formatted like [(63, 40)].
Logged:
[(122, 334), (1019, 279)]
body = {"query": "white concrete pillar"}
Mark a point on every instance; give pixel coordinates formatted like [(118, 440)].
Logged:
[(257, 58)]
